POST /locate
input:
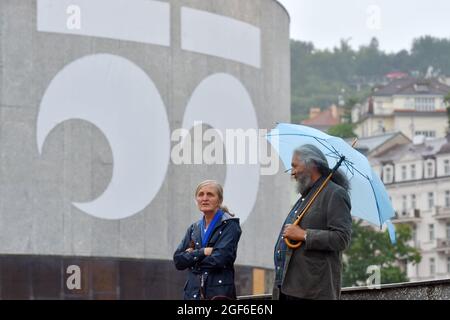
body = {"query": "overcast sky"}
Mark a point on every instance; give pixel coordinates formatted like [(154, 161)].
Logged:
[(394, 22)]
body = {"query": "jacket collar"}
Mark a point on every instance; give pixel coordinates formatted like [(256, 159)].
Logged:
[(226, 217)]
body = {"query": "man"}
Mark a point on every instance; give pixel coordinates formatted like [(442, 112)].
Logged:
[(313, 271)]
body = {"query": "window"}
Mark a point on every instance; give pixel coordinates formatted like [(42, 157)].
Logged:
[(447, 167), (380, 126), (403, 170), (413, 171), (424, 104), (448, 264), (432, 266), (421, 87), (447, 228), (430, 200), (413, 201), (430, 169), (388, 174), (404, 205), (447, 198), (426, 133), (414, 234), (431, 232)]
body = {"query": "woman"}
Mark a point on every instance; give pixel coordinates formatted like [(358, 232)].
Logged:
[(209, 247)]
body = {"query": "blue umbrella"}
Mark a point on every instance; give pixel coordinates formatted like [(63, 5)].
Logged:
[(368, 195)]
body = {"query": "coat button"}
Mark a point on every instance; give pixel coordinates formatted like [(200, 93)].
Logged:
[(195, 296), (206, 272), (220, 281)]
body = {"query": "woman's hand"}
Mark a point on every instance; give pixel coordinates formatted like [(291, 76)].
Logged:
[(208, 251), (189, 250)]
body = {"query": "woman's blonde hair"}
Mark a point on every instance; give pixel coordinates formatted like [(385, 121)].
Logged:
[(219, 190)]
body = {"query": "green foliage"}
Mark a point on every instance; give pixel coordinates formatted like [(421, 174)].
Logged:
[(370, 247), (343, 130)]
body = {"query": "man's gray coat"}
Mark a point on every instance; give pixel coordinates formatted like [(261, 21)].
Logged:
[(314, 270)]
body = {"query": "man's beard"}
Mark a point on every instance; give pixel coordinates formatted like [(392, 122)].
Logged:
[(303, 183)]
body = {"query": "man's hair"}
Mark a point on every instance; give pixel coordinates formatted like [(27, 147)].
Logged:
[(312, 156)]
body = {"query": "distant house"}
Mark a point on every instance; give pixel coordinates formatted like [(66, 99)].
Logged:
[(323, 120), (374, 145), (408, 105)]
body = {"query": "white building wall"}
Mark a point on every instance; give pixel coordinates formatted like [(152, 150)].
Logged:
[(421, 188)]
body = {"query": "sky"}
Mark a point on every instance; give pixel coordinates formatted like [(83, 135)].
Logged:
[(395, 23)]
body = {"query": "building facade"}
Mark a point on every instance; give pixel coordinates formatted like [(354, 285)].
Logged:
[(408, 105), (417, 178)]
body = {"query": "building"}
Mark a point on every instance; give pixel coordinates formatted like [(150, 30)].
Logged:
[(323, 120), (417, 178), (371, 146), (408, 105), (89, 98)]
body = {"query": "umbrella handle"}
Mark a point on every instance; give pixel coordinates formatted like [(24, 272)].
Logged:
[(311, 201)]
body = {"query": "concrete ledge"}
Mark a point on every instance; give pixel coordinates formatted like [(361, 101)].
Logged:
[(421, 290)]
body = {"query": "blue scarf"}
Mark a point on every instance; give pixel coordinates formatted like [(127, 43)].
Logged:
[(206, 235)]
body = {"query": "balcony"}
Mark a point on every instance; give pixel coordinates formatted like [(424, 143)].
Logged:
[(442, 213), (409, 216), (443, 246)]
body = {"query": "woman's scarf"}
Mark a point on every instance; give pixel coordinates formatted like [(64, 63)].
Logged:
[(206, 235)]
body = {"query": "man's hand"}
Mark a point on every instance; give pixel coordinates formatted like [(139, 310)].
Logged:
[(294, 232), (208, 251)]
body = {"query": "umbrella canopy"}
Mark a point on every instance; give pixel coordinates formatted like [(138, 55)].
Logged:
[(368, 195)]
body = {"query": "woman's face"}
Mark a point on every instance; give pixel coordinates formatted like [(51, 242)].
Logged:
[(208, 199)]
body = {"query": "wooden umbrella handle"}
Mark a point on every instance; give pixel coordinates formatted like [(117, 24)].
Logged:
[(300, 217)]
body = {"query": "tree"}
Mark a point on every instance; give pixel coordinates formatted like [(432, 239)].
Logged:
[(373, 248), (343, 130)]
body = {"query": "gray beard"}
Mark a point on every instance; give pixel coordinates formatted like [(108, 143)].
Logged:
[(303, 183)]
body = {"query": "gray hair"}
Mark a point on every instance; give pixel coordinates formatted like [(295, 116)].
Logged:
[(312, 156)]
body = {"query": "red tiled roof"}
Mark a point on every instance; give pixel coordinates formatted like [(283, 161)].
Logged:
[(325, 118)]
